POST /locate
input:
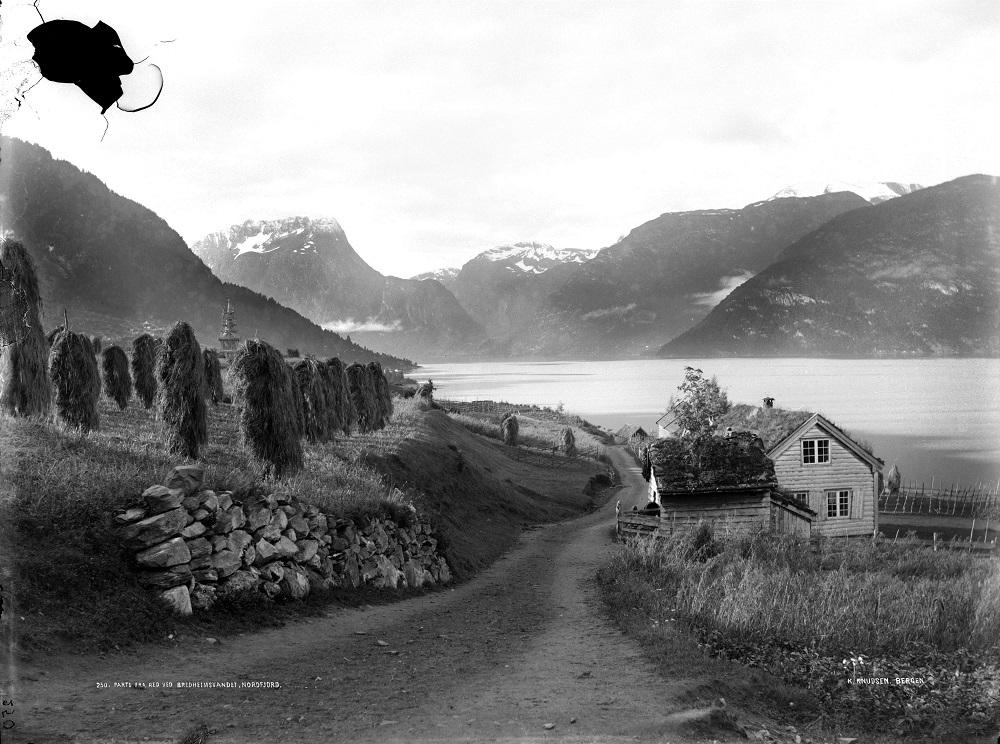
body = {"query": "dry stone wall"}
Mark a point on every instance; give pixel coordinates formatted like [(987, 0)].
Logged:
[(193, 546)]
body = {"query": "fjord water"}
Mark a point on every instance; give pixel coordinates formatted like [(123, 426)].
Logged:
[(935, 418)]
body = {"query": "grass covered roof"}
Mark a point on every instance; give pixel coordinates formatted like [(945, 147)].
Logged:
[(737, 461), (772, 425)]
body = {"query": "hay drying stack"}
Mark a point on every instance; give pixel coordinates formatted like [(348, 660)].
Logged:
[(95, 344), (144, 368), (509, 428), (24, 381), (73, 369), (213, 377), (299, 398), (117, 380), (264, 389), (383, 395), (317, 396), (363, 397), (568, 441), (346, 415), (180, 401)]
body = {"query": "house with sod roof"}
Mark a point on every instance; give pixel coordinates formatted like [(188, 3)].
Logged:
[(817, 464), (728, 482)]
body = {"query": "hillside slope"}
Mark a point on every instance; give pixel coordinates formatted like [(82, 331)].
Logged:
[(916, 275), (119, 269)]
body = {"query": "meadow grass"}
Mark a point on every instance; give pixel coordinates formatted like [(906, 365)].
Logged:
[(540, 428), (801, 611)]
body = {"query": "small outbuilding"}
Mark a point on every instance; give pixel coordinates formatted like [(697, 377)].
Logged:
[(726, 481), (630, 434)]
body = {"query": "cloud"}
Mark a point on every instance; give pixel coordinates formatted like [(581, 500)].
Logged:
[(350, 325), (726, 285)]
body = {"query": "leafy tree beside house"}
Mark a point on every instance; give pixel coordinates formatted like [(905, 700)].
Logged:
[(698, 406)]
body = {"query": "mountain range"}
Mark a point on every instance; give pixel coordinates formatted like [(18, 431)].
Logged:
[(917, 275), (118, 269)]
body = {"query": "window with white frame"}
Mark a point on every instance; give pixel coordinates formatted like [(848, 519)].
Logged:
[(802, 496), (815, 451), (838, 503)]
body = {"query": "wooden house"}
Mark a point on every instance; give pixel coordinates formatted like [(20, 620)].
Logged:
[(729, 482), (817, 464)]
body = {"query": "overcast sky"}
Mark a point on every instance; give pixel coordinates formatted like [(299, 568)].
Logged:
[(435, 130)]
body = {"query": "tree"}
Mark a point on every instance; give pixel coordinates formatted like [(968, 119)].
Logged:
[(699, 406)]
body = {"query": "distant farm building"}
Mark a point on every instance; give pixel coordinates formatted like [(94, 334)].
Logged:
[(630, 434), (730, 482), (818, 464)]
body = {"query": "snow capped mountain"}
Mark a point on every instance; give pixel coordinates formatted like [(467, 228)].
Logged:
[(534, 258), (442, 275), (871, 192), (266, 236)]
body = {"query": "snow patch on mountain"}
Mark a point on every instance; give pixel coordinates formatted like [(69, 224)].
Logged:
[(535, 258), (442, 275), (872, 192)]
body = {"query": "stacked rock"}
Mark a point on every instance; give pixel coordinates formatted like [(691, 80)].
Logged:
[(193, 546)]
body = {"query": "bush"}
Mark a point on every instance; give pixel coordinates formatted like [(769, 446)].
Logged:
[(73, 370), (24, 381), (117, 381), (269, 424), (180, 401), (144, 350)]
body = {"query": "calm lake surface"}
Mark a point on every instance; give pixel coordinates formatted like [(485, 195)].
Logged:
[(934, 418)]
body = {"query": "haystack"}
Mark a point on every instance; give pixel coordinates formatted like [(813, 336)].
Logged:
[(144, 368), (346, 414), (363, 397), (568, 444), (24, 381), (73, 369), (509, 428), (117, 380), (96, 344), (213, 377), (180, 401), (263, 386), (315, 385), (383, 395)]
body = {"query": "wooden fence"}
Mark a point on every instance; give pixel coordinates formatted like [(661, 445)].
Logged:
[(980, 502)]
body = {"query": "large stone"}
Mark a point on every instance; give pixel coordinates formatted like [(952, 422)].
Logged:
[(317, 525), (290, 534), (193, 530), (307, 550), (201, 513), (280, 520), (272, 572), (300, 524), (238, 540), (266, 552), (209, 500), (271, 588), (202, 597), (445, 571), (199, 546), (339, 544), (369, 569), (219, 542), (159, 499), (258, 515), (388, 575), (316, 581), (249, 555), (225, 499), (178, 600), (268, 532), (154, 529), (201, 562), (171, 577), (187, 478), (231, 519), (226, 562), (352, 572), (205, 575), (191, 503), (285, 548), (295, 584), (173, 552), (380, 539), (241, 582), (130, 515), (414, 574)]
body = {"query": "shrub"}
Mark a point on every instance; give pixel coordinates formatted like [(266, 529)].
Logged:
[(144, 368), (24, 382), (213, 377), (180, 401), (269, 426), (117, 380), (73, 370), (509, 428)]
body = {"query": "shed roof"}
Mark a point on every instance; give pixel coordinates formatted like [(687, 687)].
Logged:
[(721, 463), (628, 431)]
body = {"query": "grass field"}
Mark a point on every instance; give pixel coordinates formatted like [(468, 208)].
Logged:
[(76, 590), (819, 617)]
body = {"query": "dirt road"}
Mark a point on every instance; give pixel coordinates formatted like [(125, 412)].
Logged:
[(522, 646)]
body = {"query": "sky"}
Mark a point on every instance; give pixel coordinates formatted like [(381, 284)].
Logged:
[(435, 130)]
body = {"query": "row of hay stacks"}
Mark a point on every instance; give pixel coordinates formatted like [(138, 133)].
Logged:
[(279, 404)]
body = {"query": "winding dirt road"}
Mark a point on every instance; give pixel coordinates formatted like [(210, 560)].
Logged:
[(522, 646)]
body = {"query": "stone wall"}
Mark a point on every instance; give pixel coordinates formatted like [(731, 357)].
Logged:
[(193, 545)]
